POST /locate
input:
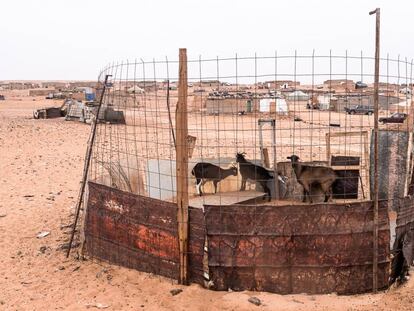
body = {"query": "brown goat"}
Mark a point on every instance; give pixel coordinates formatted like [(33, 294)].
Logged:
[(308, 175)]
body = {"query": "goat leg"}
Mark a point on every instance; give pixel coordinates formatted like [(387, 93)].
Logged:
[(269, 194), (215, 186), (304, 195), (266, 190), (243, 185), (198, 187)]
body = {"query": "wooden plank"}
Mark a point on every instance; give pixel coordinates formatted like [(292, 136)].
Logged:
[(225, 198), (342, 134), (346, 168), (181, 122)]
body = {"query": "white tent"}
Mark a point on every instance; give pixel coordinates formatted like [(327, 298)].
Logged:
[(136, 90), (298, 95), (277, 105)]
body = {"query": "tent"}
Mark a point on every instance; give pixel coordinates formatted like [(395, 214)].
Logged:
[(298, 95), (136, 90)]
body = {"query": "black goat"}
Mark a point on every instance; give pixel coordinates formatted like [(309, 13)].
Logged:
[(308, 175), (254, 172), (204, 172)]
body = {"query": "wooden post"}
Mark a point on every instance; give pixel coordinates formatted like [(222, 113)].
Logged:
[(275, 173), (86, 165), (265, 156), (328, 148), (375, 194), (181, 123)]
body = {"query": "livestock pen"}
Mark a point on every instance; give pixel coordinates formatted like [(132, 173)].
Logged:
[(143, 210)]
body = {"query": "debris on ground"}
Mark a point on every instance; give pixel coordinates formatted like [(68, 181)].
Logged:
[(43, 234), (176, 291), (65, 246), (254, 300), (97, 305), (43, 249)]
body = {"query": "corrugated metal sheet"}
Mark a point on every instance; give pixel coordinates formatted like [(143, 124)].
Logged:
[(292, 249)]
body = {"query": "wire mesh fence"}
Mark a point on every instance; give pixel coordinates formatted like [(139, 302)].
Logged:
[(319, 108), (264, 132)]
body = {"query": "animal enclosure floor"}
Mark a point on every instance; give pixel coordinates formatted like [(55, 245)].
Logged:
[(226, 198)]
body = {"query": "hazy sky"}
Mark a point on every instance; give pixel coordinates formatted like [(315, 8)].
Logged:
[(74, 39)]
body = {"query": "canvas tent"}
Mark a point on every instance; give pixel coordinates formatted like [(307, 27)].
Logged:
[(136, 90), (298, 95)]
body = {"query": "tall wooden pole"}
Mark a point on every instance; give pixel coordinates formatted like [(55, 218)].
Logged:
[(275, 173), (375, 194), (181, 123), (86, 165)]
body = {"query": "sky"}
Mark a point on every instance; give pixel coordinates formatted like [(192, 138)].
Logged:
[(75, 39)]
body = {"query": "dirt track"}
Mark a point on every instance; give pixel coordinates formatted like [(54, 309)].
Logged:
[(40, 169)]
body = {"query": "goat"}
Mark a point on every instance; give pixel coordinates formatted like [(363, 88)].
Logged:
[(251, 171), (308, 175), (204, 172)]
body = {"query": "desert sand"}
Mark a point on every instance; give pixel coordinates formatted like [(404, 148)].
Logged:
[(41, 164)]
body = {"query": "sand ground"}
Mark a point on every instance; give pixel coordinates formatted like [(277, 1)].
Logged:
[(40, 168)]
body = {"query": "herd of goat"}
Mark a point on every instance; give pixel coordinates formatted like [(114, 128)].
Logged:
[(308, 176)]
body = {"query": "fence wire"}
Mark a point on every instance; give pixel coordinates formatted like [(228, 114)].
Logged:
[(266, 109)]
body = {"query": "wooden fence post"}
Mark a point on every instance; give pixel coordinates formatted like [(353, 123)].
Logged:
[(181, 123), (375, 194)]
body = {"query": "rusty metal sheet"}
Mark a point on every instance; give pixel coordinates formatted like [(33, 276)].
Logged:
[(405, 227), (132, 231), (196, 240), (321, 219), (141, 233), (291, 249), (296, 280), (307, 250), (405, 213)]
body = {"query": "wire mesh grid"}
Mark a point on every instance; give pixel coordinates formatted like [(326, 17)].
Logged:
[(319, 108), (246, 116)]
